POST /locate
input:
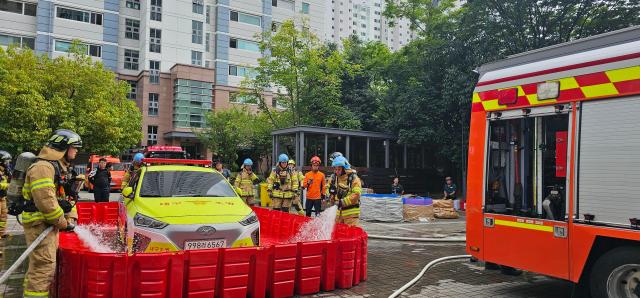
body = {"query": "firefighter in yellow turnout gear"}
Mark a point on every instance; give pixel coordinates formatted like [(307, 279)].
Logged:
[(5, 175), (297, 200), (282, 185), (42, 189), (245, 181), (344, 189)]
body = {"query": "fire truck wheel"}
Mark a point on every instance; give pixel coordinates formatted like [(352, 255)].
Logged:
[(616, 274)]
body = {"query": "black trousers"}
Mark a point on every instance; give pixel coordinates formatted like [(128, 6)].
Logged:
[(101, 195), (311, 205)]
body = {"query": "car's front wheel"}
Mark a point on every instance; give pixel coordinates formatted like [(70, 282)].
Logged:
[(616, 274)]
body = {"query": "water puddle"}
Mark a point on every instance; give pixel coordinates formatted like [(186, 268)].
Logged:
[(317, 229)]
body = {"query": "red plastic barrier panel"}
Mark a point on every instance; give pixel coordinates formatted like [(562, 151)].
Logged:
[(275, 269)]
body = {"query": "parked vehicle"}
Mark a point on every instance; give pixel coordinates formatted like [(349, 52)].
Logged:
[(553, 163), (179, 204)]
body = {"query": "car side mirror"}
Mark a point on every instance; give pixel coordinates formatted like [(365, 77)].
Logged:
[(127, 192)]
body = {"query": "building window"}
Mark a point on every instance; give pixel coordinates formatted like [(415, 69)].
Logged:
[(135, 4), (244, 45), (132, 29), (208, 14), (152, 135), (243, 98), (242, 71), (154, 103), (79, 15), (197, 6), (133, 91), (18, 7), (207, 41), (7, 40), (154, 72), (156, 10), (192, 100), (207, 63), (196, 58), (196, 32), (285, 4), (155, 36), (305, 7), (91, 50), (131, 58), (245, 18)]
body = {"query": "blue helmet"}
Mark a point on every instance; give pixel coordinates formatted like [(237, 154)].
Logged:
[(340, 161), (138, 157), (283, 158), (248, 162)]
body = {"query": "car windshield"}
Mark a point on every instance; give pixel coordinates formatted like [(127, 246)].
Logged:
[(185, 184)]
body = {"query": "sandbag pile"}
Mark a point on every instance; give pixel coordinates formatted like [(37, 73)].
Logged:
[(444, 209), (417, 209)]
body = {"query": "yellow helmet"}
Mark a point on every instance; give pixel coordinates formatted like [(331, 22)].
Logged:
[(292, 162)]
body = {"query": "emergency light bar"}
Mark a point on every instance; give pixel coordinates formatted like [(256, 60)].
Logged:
[(203, 162), (164, 148)]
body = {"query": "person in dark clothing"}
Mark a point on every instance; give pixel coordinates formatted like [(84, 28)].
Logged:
[(450, 189), (101, 180), (396, 187)]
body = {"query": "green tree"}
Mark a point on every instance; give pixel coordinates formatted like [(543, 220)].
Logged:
[(39, 95), (228, 131), (363, 79), (305, 76), (430, 81)]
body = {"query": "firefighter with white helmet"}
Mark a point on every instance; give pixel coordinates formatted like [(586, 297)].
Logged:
[(344, 189), (245, 181), (282, 185)]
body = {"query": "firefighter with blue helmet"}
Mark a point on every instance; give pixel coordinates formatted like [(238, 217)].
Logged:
[(245, 181), (344, 189), (282, 185), (133, 170)]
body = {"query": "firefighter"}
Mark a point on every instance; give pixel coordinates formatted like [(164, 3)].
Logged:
[(314, 182), (42, 191), (344, 189), (5, 175), (297, 201), (133, 170), (245, 181), (282, 185)]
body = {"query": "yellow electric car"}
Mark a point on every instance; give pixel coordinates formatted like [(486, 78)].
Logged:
[(185, 207)]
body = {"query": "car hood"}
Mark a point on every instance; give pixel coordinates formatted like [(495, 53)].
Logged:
[(196, 210)]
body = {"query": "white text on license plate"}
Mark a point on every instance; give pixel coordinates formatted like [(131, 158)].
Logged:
[(205, 244)]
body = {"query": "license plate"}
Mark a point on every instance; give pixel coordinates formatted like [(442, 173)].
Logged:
[(205, 244)]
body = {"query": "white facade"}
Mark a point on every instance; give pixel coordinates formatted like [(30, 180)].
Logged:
[(364, 19)]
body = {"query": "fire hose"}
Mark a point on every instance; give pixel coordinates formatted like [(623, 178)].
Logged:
[(424, 270), (25, 254)]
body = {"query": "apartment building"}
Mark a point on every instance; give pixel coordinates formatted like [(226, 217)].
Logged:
[(182, 58), (364, 19)]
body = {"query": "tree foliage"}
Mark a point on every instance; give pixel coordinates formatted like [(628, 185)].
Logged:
[(305, 76), (430, 81), (39, 95), (227, 131)]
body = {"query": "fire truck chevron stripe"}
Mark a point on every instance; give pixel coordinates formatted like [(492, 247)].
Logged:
[(522, 225), (616, 82)]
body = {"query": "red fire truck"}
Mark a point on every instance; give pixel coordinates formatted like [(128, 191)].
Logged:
[(554, 163)]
